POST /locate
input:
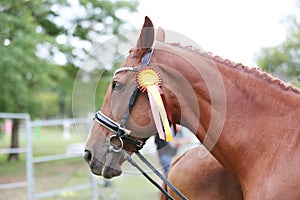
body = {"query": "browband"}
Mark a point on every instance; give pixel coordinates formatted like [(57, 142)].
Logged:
[(134, 69)]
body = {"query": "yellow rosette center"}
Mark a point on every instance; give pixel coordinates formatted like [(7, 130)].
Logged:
[(147, 77)]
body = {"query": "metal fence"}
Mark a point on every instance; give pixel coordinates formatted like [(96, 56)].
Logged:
[(31, 160)]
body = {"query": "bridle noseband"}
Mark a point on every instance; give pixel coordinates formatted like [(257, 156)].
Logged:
[(121, 133), (110, 124)]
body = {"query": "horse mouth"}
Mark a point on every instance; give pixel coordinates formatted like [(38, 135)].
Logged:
[(101, 169), (109, 172), (108, 169)]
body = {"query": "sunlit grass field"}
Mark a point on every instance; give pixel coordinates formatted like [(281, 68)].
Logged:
[(69, 172)]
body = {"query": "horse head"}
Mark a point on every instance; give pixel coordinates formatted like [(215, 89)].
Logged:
[(99, 153)]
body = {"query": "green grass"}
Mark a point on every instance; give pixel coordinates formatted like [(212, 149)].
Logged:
[(66, 173)]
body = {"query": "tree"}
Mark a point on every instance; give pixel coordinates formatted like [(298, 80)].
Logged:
[(41, 49), (283, 60)]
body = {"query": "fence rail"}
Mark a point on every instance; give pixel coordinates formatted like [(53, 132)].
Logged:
[(12, 150), (13, 185)]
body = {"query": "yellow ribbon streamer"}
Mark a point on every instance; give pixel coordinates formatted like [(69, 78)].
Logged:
[(154, 91)]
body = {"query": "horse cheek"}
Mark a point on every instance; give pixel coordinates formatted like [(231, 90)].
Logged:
[(142, 119)]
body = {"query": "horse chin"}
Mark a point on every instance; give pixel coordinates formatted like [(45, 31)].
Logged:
[(113, 165), (105, 170), (109, 172)]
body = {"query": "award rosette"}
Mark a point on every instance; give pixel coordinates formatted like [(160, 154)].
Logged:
[(149, 80)]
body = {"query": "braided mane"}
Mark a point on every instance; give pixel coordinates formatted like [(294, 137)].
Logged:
[(254, 71)]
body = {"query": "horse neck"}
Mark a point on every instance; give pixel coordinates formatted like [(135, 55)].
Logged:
[(261, 120), (259, 113)]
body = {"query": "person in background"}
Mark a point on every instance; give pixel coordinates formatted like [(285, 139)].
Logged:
[(167, 150)]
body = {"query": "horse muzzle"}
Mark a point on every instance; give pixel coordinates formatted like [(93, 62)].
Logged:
[(108, 167)]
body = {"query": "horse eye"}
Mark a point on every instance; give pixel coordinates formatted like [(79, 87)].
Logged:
[(117, 86)]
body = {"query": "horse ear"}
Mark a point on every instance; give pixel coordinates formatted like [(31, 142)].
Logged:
[(146, 38), (160, 35)]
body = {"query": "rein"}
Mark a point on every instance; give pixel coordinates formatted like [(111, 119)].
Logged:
[(116, 141), (157, 173)]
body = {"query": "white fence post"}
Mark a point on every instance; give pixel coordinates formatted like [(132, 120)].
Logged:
[(29, 160)]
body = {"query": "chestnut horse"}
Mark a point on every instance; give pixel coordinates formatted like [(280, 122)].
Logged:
[(202, 177), (248, 119)]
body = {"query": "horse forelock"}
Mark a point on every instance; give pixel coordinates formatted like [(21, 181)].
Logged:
[(256, 72)]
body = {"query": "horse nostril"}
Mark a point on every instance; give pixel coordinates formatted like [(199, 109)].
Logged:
[(87, 156)]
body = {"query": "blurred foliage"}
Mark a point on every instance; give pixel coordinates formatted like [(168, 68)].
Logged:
[(283, 60), (42, 45)]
